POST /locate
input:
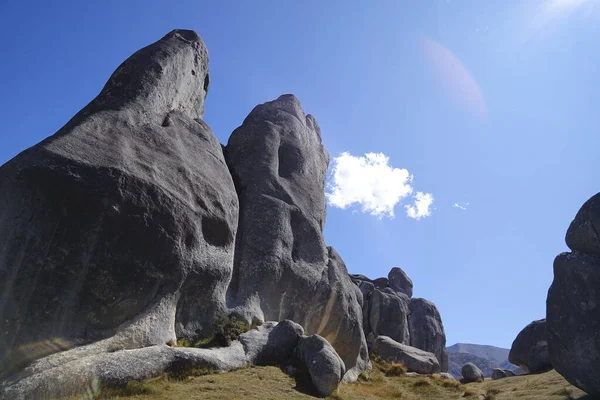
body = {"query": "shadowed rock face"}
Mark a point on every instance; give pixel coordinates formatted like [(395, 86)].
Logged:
[(400, 282), (389, 311), (414, 359), (530, 348), (283, 269), (120, 231), (123, 222), (572, 307), (387, 315), (427, 331)]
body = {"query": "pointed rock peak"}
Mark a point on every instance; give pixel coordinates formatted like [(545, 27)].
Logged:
[(279, 108), (185, 34), (170, 74), (400, 282)]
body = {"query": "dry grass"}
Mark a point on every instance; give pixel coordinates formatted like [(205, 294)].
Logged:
[(547, 386), (270, 383)]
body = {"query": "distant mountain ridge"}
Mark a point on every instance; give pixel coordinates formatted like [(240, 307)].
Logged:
[(484, 356)]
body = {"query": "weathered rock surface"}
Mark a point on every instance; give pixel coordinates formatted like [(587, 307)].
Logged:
[(573, 304), (75, 372), (283, 269), (67, 374), (400, 282), (325, 367), (415, 360), (500, 373), (427, 331), (471, 373), (386, 314), (530, 348), (121, 224), (272, 343), (389, 311)]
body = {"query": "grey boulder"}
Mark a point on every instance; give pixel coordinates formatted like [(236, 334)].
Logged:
[(75, 372), (400, 282), (499, 373), (415, 360), (122, 224), (471, 373), (530, 348), (283, 269), (65, 375), (272, 343), (325, 367), (572, 306), (386, 314), (427, 331)]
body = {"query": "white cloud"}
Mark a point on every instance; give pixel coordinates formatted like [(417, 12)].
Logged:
[(369, 181), (462, 206), (421, 206)]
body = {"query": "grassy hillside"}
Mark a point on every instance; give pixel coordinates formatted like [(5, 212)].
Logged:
[(270, 383)]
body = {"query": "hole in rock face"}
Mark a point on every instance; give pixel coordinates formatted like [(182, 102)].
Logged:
[(190, 239), (216, 231), (193, 72), (206, 83)]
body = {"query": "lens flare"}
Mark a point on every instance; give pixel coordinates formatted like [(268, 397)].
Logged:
[(455, 79)]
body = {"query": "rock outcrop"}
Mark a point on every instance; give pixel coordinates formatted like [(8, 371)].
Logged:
[(427, 331), (471, 373), (283, 269), (386, 314), (83, 371), (400, 282), (389, 310), (530, 348), (272, 343), (573, 304), (121, 225), (133, 227), (415, 360)]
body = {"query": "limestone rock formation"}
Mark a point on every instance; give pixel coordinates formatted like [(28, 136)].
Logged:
[(283, 269), (324, 365), (427, 331), (400, 282), (386, 314), (573, 304), (389, 311), (530, 348), (415, 360), (122, 223), (471, 373), (272, 343), (132, 227), (84, 371)]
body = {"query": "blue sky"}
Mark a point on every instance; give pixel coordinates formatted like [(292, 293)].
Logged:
[(486, 103)]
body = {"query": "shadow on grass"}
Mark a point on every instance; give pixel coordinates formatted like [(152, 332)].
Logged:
[(304, 383)]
